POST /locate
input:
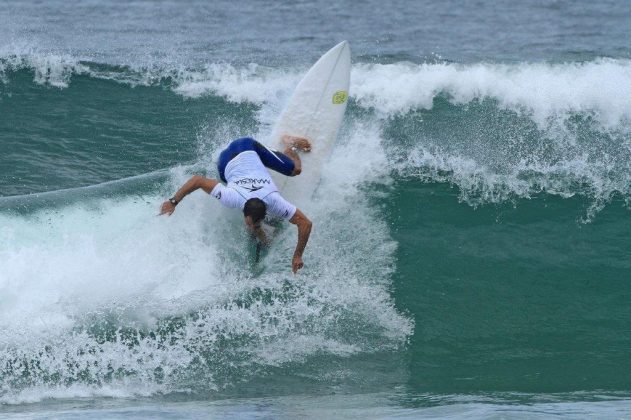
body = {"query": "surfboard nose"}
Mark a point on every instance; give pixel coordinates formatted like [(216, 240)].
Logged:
[(343, 44)]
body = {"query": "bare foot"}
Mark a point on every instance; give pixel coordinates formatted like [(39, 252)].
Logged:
[(299, 143)]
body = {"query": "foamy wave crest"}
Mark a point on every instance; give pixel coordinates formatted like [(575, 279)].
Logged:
[(601, 88), (49, 68), (250, 83), (480, 183), (253, 84)]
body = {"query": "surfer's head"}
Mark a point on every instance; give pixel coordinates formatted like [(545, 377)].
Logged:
[(254, 212)]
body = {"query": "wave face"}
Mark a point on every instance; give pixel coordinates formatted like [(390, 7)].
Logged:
[(504, 131), (470, 245)]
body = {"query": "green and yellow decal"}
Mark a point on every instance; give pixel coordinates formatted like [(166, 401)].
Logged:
[(340, 97)]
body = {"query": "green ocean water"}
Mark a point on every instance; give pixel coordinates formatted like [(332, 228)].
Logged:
[(545, 313), (470, 250)]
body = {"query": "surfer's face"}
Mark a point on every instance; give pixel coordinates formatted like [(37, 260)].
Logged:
[(251, 225)]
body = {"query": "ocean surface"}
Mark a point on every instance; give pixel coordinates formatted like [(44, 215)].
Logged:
[(470, 254)]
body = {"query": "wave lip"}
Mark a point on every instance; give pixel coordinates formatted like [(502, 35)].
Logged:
[(478, 183), (251, 83), (50, 69), (601, 88)]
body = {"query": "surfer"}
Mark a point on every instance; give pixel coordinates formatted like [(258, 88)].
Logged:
[(249, 186)]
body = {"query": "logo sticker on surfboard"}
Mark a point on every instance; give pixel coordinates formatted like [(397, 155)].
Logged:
[(340, 97)]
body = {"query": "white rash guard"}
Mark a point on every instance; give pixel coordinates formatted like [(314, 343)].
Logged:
[(248, 178)]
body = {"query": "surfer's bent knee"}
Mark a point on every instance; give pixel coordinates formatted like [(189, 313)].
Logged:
[(275, 160)]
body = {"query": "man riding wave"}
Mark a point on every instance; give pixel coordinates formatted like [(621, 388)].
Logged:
[(249, 186)]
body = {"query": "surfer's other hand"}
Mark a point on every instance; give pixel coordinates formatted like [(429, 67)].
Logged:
[(296, 263), (167, 208)]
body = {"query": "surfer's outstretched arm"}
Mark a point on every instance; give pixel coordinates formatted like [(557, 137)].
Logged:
[(304, 230), (196, 182)]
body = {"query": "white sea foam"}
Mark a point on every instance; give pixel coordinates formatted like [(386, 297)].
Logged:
[(253, 84), (480, 184), (49, 68), (600, 88), (119, 389)]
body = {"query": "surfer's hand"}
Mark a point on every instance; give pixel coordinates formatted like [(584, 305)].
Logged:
[(296, 263), (167, 208)]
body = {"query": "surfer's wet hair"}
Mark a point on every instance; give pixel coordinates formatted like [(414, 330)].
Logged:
[(256, 209)]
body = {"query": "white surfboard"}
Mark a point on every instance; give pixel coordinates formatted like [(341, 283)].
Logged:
[(315, 112)]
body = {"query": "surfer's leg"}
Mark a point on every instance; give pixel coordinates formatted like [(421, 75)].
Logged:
[(291, 154), (275, 160)]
